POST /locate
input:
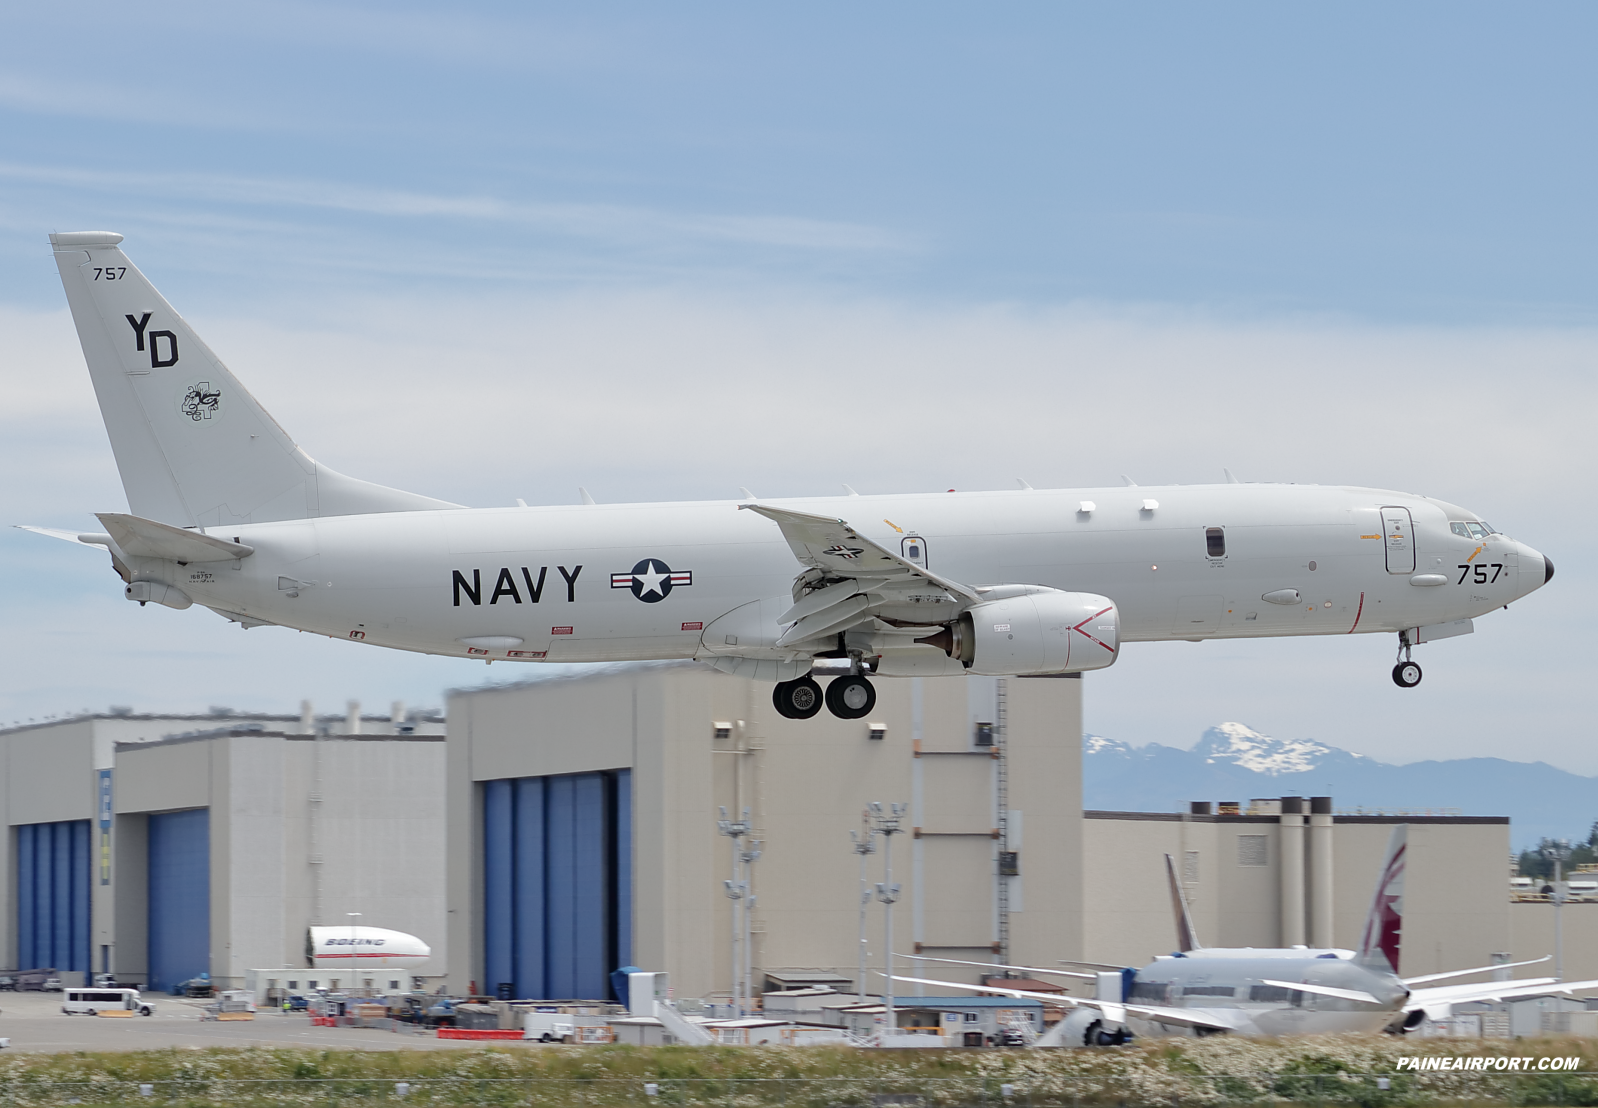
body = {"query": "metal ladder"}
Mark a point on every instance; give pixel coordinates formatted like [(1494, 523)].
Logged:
[(1001, 735)]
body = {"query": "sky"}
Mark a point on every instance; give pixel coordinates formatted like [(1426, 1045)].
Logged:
[(502, 251)]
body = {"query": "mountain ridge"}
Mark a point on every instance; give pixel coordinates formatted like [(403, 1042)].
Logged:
[(1232, 761)]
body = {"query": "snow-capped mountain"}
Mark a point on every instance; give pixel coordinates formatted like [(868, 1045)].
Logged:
[(1245, 748), (1234, 762)]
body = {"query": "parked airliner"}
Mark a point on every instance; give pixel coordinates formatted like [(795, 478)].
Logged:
[(226, 511), (1253, 991)]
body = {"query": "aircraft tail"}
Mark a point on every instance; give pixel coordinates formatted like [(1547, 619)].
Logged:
[(1384, 925), (1186, 933), (193, 446)]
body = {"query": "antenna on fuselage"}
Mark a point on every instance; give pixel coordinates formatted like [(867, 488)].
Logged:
[(1186, 935)]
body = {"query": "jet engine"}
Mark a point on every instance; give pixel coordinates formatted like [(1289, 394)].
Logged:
[(1034, 630)]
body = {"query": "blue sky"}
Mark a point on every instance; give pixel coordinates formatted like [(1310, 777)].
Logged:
[(1338, 245)]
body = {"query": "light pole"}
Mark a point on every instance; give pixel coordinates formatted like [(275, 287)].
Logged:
[(865, 842), (751, 854), (1557, 851), (886, 824), (735, 829)]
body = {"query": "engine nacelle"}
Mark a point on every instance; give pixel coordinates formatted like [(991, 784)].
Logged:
[(1036, 631)]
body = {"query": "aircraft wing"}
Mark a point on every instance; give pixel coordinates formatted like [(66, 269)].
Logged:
[(1439, 1002), (842, 567), (835, 547), (1220, 1019), (999, 966), (1478, 969), (1324, 990)]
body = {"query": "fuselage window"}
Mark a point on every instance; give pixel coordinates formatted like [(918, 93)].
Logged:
[(1215, 541)]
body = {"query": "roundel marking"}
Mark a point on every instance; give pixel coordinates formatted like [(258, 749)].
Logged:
[(651, 580)]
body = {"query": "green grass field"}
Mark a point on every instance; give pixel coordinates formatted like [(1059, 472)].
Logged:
[(1330, 1070)]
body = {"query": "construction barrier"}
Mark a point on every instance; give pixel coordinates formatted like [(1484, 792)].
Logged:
[(480, 1033)]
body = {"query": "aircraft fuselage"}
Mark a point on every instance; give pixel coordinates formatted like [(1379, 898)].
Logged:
[(651, 581)]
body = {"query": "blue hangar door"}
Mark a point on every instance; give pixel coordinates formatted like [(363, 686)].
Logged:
[(557, 884), (53, 875), (180, 896)]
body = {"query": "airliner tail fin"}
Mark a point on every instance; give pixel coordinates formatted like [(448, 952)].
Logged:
[(1384, 924), (193, 446)]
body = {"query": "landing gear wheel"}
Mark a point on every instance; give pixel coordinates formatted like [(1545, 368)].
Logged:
[(799, 699), (851, 697), (1406, 675)]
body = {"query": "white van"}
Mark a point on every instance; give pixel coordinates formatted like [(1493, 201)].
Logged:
[(93, 1001)]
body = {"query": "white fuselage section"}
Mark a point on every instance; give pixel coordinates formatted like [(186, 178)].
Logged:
[(657, 581), (1236, 981)]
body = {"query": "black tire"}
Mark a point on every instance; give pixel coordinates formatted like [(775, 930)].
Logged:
[(1406, 675), (851, 697), (146, 1011), (90, 1012), (799, 699)]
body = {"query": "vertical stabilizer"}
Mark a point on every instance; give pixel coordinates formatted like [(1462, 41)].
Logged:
[(193, 446), (1186, 935), (1384, 925)]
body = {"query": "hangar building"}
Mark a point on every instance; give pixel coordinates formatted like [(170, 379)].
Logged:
[(583, 836), (160, 848)]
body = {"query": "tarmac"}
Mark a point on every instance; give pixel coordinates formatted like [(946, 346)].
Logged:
[(35, 1023)]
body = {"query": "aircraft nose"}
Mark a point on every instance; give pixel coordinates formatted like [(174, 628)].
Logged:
[(1528, 577)]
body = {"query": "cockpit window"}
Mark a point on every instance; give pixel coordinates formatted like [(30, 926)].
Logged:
[(1471, 530)]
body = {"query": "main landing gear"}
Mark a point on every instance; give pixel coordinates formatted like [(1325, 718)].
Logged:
[(1406, 674), (799, 699), (847, 697)]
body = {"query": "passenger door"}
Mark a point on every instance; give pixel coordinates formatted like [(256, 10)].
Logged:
[(1398, 537)]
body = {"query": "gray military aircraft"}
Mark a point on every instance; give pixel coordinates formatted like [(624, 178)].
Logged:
[(226, 511)]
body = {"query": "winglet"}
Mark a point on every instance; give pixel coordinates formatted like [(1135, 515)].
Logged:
[(1186, 935)]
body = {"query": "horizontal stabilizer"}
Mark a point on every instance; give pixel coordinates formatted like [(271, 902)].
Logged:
[(67, 536), (145, 538)]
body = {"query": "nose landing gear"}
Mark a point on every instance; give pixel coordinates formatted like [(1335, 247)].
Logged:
[(1406, 674)]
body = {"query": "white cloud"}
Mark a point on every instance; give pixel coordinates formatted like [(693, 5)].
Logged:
[(614, 224)]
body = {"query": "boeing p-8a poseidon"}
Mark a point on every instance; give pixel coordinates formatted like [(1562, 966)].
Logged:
[(226, 511)]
